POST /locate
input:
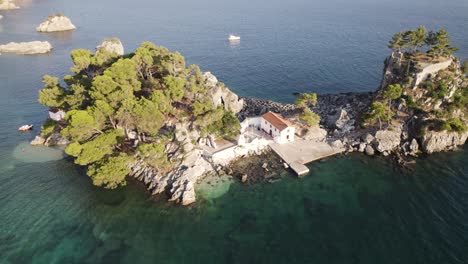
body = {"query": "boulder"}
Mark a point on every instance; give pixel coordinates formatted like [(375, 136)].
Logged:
[(32, 47), (340, 120), (368, 138), (362, 147), (387, 140), (56, 139), (113, 45), (413, 147), (7, 5), (56, 23), (244, 178), (434, 141), (188, 197), (369, 150), (38, 140)]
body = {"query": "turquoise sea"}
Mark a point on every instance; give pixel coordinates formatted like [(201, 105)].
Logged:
[(349, 209)]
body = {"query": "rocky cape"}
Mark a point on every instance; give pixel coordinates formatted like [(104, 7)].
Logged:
[(56, 23), (341, 116), (32, 47)]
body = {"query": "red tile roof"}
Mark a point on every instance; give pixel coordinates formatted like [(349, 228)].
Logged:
[(277, 121)]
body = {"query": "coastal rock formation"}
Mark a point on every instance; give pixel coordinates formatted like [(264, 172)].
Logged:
[(56, 23), (387, 140), (8, 5), (221, 95), (434, 141), (53, 139), (33, 47), (113, 45)]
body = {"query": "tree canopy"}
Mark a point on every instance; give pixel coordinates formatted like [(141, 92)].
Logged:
[(435, 43), (123, 107)]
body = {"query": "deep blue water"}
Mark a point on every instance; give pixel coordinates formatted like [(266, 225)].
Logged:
[(350, 209)]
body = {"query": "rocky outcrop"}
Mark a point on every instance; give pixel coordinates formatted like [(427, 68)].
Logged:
[(54, 139), (434, 141), (33, 47), (341, 121), (431, 68), (38, 140), (56, 23), (222, 95), (113, 45), (387, 140), (8, 5)]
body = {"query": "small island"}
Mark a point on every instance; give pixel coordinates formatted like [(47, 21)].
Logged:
[(8, 5), (55, 23), (149, 116)]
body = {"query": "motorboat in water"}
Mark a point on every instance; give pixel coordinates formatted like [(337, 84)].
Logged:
[(25, 127), (233, 37)]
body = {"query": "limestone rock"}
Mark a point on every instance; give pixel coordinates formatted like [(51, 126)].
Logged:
[(244, 178), (188, 196), (434, 141), (369, 150), (7, 5), (210, 80), (33, 47), (222, 95), (113, 45), (340, 120), (387, 140), (38, 140), (368, 138), (56, 139), (56, 23), (337, 144), (362, 147), (413, 147)]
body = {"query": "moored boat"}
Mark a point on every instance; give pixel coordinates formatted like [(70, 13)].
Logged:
[(25, 127), (233, 37)]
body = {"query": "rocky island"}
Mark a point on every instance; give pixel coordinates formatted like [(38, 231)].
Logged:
[(32, 47), (56, 23), (149, 116), (8, 5)]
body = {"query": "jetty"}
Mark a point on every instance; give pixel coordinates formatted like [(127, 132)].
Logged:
[(300, 152)]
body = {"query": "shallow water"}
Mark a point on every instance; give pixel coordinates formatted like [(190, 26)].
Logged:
[(349, 209)]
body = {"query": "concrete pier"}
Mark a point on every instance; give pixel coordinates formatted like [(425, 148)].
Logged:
[(300, 152)]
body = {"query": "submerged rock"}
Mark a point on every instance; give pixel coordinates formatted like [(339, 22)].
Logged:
[(56, 23), (113, 45), (33, 47), (7, 5)]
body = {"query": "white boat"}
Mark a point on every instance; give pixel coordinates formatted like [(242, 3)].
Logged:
[(25, 127), (233, 37)]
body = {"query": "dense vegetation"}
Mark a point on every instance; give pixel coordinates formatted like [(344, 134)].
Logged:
[(124, 108)]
